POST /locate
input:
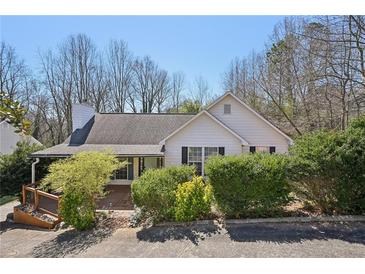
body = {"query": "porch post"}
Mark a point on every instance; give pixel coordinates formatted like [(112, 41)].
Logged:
[(136, 167)]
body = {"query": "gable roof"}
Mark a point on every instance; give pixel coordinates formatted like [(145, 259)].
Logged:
[(27, 138), (229, 93), (243, 141)]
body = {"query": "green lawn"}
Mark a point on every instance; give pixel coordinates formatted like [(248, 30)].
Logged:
[(7, 198)]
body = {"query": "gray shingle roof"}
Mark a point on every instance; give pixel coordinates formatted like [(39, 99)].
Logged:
[(124, 133), (133, 129)]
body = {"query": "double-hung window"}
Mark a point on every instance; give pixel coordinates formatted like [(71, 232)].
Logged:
[(198, 155), (195, 158)]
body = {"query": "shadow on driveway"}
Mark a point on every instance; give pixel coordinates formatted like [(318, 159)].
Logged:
[(192, 233), (7, 226), (297, 232), (73, 242)]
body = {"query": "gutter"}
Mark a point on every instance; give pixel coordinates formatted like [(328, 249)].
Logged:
[(33, 170)]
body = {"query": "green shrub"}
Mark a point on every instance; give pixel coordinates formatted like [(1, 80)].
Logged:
[(193, 200), (77, 209), (313, 169), (155, 190), (327, 169), (16, 168), (249, 184), (350, 163), (82, 179)]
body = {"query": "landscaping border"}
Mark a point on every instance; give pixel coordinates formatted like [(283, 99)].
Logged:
[(344, 218)]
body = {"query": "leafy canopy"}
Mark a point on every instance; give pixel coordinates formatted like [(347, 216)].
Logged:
[(82, 179), (14, 113), (88, 171)]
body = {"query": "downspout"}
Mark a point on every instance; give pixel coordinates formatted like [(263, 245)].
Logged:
[(33, 170)]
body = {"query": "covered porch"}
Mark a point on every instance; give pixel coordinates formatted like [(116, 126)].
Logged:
[(134, 168), (138, 158)]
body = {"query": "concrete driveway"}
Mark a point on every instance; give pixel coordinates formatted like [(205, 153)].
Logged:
[(244, 240)]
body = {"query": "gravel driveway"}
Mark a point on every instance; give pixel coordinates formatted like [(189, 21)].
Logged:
[(244, 240)]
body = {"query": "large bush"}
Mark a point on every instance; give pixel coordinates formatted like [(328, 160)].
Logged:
[(249, 184), (16, 168), (350, 161), (82, 179), (155, 190), (193, 200), (313, 169), (328, 169)]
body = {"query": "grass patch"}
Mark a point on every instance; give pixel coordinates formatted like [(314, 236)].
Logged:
[(7, 198)]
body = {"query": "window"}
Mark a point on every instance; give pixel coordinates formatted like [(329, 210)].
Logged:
[(121, 174), (195, 158), (210, 151), (227, 109), (262, 149)]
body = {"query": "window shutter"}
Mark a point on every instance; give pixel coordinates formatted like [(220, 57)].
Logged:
[(272, 150), (184, 155), (221, 151), (252, 149), (130, 169)]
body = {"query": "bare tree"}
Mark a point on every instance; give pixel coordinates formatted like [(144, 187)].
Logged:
[(310, 76), (200, 91), (150, 86), (12, 72), (177, 88), (119, 74), (81, 55)]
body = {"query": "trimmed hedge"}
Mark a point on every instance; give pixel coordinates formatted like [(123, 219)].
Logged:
[(193, 200), (155, 191), (249, 184)]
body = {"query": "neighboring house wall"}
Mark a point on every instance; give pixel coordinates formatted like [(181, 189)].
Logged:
[(248, 125), (202, 132), (9, 138)]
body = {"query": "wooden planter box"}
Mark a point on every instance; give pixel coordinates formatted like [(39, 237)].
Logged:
[(24, 217), (27, 218)]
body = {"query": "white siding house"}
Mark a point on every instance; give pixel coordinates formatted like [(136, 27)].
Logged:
[(248, 124), (152, 140), (9, 138), (228, 124), (200, 132)]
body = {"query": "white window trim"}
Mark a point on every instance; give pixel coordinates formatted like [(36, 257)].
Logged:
[(202, 156)]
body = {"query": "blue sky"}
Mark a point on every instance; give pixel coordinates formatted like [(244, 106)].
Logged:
[(197, 45)]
